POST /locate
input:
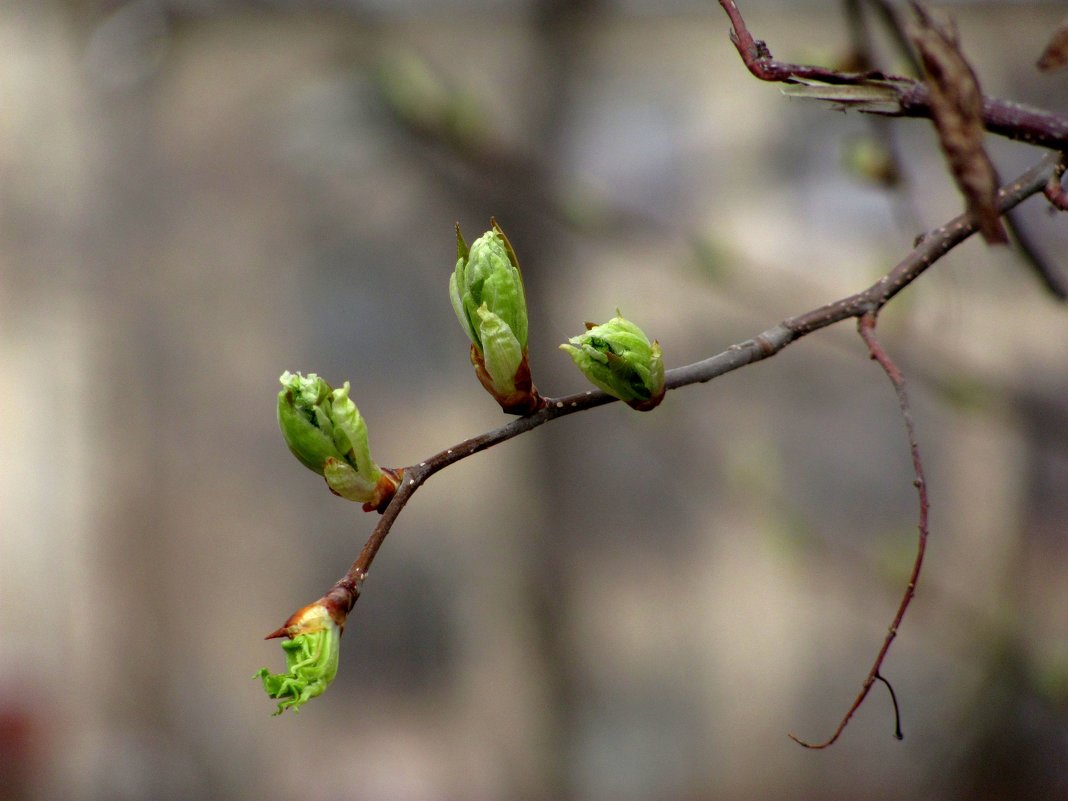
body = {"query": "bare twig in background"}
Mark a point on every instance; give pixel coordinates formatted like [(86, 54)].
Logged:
[(1013, 221), (952, 99), (1036, 260), (866, 328), (875, 92)]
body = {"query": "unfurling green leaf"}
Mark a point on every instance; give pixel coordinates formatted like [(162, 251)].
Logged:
[(618, 358), (323, 428), (311, 658)]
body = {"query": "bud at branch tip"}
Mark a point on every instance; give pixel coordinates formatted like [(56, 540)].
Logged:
[(312, 648)]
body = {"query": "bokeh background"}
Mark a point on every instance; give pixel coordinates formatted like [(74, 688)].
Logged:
[(196, 195)]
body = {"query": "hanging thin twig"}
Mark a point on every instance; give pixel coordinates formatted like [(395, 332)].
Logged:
[(866, 327)]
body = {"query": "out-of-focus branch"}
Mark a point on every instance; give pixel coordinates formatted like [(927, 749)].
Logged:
[(865, 91), (1036, 260), (876, 92), (1039, 263)]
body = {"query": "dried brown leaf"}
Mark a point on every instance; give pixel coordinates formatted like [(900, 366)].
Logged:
[(1055, 56), (956, 109)]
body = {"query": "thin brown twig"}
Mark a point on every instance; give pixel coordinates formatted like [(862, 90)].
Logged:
[(899, 96), (929, 249), (866, 328)]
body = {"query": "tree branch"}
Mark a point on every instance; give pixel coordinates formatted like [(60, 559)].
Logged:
[(1028, 250), (866, 328), (931, 247), (876, 92)]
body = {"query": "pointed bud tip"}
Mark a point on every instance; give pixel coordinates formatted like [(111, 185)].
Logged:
[(461, 246)]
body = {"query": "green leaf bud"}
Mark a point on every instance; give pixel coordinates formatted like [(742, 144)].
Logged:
[(486, 290), (502, 353), (312, 649), (618, 358), (323, 428)]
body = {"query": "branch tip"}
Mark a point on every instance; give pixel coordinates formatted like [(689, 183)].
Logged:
[(898, 734), (866, 328)]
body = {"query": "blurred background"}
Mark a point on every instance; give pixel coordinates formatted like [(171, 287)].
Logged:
[(196, 195)]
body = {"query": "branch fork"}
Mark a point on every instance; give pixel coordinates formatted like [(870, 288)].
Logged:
[(870, 91), (864, 306)]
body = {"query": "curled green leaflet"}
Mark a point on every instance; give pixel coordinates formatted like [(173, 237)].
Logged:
[(618, 357), (311, 658), (323, 428)]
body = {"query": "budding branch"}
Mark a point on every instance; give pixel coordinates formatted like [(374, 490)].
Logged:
[(864, 306), (884, 94), (866, 329)]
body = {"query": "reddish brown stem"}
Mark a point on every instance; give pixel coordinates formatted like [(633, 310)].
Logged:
[(929, 249), (866, 327), (341, 598), (1002, 117), (1040, 263)]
